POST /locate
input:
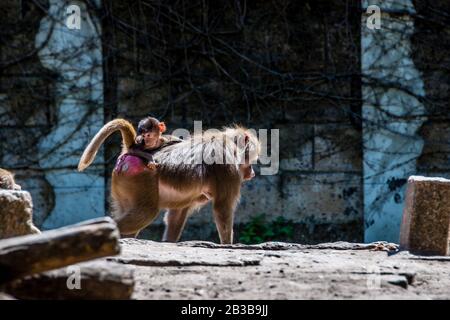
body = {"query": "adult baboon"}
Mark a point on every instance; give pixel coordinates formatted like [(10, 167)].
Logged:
[(207, 166)]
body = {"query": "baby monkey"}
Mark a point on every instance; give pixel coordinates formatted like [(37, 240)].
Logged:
[(7, 180), (148, 141)]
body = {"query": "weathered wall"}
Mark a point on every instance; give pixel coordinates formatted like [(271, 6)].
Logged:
[(393, 114), (431, 55), (405, 107), (290, 65), (75, 57), (296, 71), (51, 89), (26, 102)]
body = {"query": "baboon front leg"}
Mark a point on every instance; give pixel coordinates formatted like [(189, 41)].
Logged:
[(223, 216), (175, 220)]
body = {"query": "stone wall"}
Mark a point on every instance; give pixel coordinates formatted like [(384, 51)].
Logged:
[(51, 104), (27, 110), (297, 72), (405, 107), (431, 55), (289, 65), (393, 114)]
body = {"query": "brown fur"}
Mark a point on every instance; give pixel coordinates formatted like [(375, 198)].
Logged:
[(128, 137), (7, 180), (179, 184)]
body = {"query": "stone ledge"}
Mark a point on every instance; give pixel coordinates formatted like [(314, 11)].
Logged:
[(276, 270)]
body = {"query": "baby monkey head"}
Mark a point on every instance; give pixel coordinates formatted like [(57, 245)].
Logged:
[(149, 131)]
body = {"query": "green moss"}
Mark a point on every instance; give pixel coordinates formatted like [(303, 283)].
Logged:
[(259, 229)]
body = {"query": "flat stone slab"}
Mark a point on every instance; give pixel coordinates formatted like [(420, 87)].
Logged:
[(276, 270), (150, 253), (340, 245)]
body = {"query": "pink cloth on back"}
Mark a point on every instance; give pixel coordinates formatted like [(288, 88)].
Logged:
[(129, 165)]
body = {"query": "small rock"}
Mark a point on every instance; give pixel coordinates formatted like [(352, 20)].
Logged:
[(400, 281), (16, 210)]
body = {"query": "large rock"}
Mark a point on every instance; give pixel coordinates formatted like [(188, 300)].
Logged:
[(16, 211), (96, 280), (426, 216)]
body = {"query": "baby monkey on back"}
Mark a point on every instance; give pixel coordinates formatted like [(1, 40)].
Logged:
[(177, 184), (149, 140)]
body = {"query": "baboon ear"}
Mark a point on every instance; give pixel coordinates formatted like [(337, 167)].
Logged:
[(162, 127)]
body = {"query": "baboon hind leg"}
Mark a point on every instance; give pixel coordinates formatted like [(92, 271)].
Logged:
[(136, 201), (175, 220), (136, 217)]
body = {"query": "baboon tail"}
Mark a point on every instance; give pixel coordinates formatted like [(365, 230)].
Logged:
[(128, 136)]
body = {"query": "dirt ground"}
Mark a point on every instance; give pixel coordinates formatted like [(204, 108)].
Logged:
[(341, 270)]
